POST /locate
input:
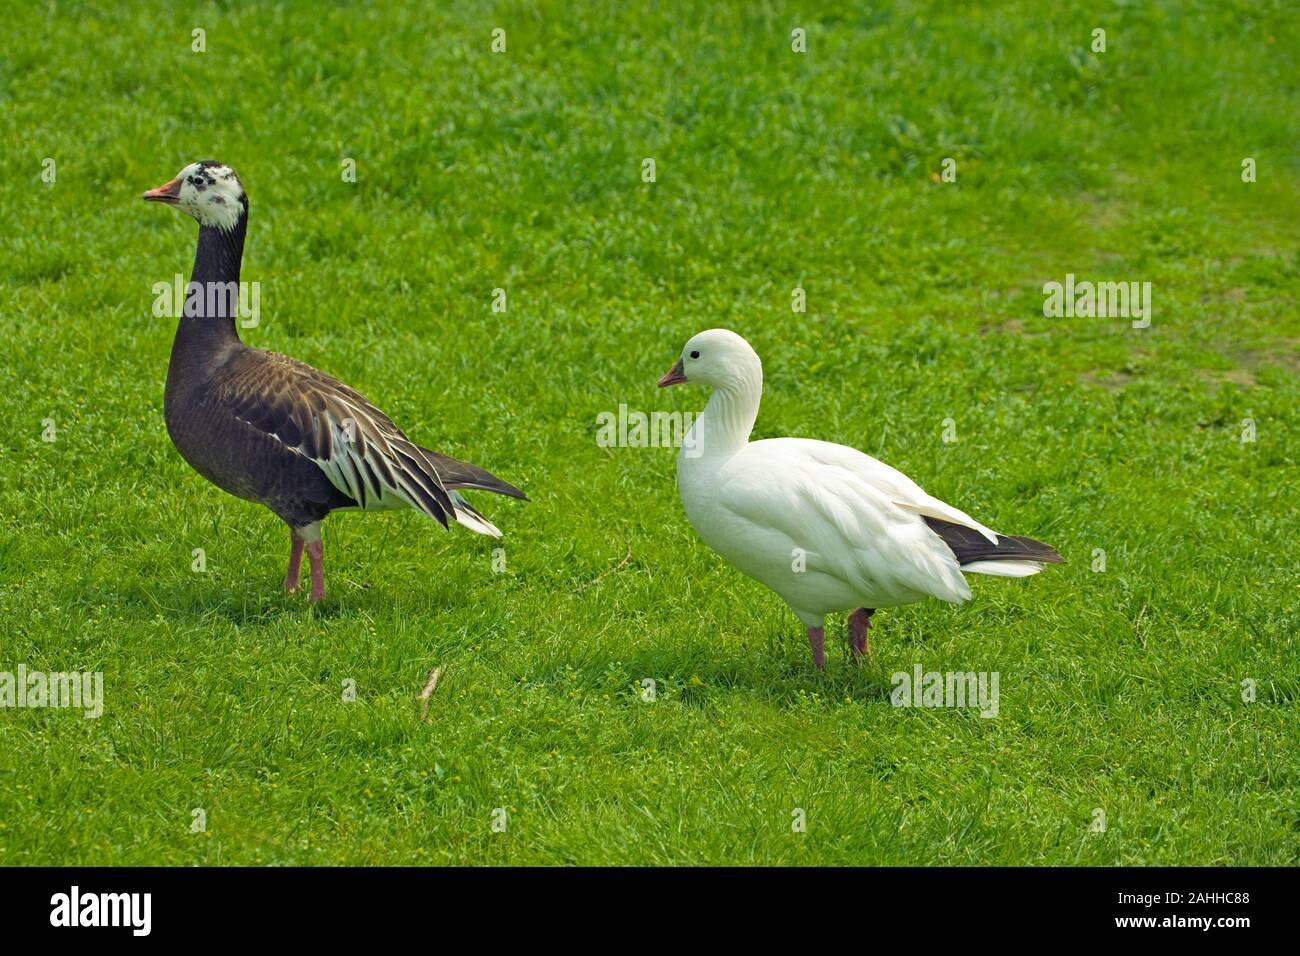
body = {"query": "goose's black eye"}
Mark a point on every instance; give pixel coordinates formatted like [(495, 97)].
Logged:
[(695, 354)]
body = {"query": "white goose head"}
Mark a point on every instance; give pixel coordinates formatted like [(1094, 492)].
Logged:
[(209, 191), (720, 358)]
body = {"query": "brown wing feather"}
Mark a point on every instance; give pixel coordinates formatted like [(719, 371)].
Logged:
[(359, 448)]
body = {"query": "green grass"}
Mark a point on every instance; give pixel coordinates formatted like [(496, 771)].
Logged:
[(1120, 690)]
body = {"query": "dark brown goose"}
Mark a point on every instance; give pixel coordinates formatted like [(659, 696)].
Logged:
[(271, 429)]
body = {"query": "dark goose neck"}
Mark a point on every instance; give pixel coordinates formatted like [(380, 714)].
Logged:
[(219, 253), (207, 324)]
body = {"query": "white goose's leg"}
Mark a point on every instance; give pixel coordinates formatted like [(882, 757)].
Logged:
[(817, 641), (859, 625)]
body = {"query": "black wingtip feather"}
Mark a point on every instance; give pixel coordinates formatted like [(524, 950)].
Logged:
[(461, 475), (968, 545)]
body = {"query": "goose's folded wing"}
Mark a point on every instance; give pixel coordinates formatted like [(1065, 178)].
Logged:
[(846, 526), (357, 446), (891, 482)]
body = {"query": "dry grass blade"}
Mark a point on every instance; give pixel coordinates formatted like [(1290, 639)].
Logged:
[(604, 574), (429, 687)]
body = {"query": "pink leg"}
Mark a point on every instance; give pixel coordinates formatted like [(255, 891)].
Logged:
[(859, 625), (295, 562), (817, 641), (316, 555)]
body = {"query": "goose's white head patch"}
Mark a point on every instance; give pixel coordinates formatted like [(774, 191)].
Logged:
[(209, 191), (718, 357)]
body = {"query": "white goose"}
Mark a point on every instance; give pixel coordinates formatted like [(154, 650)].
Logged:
[(824, 526)]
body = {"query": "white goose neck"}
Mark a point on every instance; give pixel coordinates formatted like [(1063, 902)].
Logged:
[(723, 427)]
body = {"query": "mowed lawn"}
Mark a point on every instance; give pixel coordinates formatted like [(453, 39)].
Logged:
[(1125, 684)]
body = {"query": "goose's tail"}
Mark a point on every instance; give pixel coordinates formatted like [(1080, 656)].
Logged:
[(461, 474), (467, 515), (1012, 557)]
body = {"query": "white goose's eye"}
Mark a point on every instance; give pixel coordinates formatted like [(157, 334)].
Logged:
[(695, 354)]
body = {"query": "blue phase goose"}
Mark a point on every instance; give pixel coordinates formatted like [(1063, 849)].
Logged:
[(824, 526), (271, 429)]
